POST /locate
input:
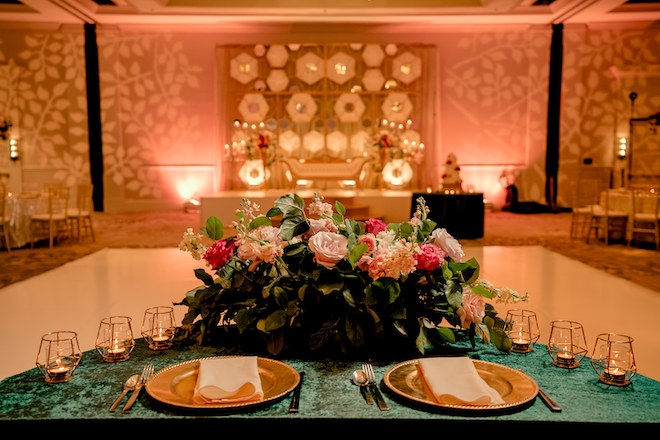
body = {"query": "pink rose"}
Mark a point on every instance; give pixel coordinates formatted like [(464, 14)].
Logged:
[(218, 254), (431, 257), (374, 226), (321, 225), (473, 309), (369, 240), (329, 248)]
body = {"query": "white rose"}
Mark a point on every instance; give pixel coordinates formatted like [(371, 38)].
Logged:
[(442, 239)]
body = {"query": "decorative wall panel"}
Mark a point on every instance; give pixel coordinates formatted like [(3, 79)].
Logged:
[(321, 100)]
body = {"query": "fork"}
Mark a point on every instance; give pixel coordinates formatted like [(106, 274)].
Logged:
[(147, 372), (371, 377)]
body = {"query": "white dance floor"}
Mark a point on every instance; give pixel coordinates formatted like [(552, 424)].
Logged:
[(79, 294)]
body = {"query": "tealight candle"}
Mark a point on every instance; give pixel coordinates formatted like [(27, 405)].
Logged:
[(158, 327), (58, 374), (613, 359), (615, 374), (565, 358), (59, 355), (114, 340), (520, 344)]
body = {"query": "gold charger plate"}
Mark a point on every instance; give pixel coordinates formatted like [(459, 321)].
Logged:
[(174, 385), (515, 387)]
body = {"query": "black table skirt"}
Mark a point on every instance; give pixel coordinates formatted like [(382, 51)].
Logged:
[(462, 215)]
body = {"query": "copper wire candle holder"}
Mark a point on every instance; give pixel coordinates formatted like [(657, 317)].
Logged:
[(59, 355), (158, 327), (567, 345), (522, 328), (114, 340), (613, 359)]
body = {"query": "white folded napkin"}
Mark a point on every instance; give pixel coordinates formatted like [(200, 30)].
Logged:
[(228, 380), (455, 381)]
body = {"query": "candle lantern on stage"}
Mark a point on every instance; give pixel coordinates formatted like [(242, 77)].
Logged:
[(158, 327), (114, 340), (59, 355), (613, 359), (567, 345), (522, 328)]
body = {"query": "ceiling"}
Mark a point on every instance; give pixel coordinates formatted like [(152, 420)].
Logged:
[(209, 12)]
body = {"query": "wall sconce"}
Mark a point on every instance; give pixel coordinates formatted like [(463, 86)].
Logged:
[(13, 149), (622, 148)]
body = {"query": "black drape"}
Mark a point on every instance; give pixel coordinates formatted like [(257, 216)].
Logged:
[(554, 104), (94, 115)]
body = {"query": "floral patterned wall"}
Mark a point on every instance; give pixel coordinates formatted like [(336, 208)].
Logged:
[(602, 67), (160, 96), (493, 114), (44, 93)]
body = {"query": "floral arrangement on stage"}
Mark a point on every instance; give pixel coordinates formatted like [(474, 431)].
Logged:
[(308, 275)]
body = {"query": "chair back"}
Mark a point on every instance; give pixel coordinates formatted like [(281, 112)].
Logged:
[(58, 200), (646, 200), (586, 192), (84, 198)]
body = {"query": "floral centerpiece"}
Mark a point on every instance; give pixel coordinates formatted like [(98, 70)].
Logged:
[(308, 275)]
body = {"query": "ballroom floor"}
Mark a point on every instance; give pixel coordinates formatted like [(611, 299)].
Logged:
[(134, 264)]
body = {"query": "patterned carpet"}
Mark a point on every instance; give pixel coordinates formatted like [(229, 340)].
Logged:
[(165, 229)]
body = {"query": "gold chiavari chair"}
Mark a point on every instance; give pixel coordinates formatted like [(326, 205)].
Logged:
[(80, 217), (54, 223), (646, 214), (585, 198), (602, 217)]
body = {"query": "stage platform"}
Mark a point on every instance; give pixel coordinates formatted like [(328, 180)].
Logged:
[(389, 205)]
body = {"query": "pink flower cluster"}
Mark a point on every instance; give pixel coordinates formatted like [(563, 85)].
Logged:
[(263, 244), (385, 255)]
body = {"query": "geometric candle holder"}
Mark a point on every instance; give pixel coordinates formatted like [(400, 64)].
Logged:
[(59, 355), (523, 329), (567, 345), (158, 327), (613, 359), (114, 340)]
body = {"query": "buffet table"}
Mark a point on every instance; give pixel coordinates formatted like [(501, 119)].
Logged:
[(329, 401)]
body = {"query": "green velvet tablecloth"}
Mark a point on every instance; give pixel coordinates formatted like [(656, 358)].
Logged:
[(329, 401)]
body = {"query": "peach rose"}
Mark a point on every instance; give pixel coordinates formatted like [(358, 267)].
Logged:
[(473, 309), (329, 248)]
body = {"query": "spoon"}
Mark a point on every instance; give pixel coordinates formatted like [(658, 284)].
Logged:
[(130, 384), (360, 379)]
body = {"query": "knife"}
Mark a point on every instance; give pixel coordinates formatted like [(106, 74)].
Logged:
[(549, 402), (295, 400)]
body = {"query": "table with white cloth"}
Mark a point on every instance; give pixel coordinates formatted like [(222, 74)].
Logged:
[(20, 207)]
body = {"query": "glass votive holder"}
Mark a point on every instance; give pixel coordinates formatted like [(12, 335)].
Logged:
[(114, 340), (158, 327), (59, 355), (567, 345), (613, 359), (523, 329)]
